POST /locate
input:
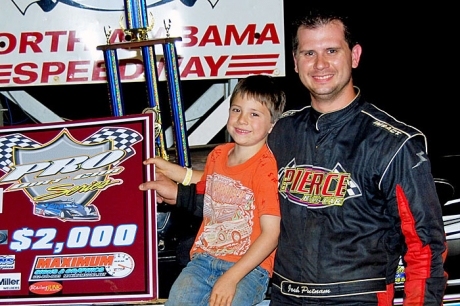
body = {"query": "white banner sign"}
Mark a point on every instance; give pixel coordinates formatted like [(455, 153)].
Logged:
[(54, 42)]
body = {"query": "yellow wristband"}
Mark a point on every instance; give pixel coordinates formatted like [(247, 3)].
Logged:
[(188, 177)]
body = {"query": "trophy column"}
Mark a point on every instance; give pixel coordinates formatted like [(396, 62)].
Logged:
[(136, 36), (175, 101)]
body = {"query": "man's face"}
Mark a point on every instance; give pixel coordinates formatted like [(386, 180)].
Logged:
[(324, 61)]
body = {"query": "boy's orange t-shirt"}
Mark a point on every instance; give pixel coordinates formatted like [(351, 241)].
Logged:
[(234, 199)]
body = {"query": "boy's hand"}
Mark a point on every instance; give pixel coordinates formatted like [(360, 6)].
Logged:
[(171, 170), (223, 291)]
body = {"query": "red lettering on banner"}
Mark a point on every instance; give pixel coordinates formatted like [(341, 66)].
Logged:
[(50, 69), (98, 70), (73, 70), (214, 66), (55, 39), (32, 40), (5, 74), (268, 34), (27, 73), (193, 40), (72, 41), (193, 66), (249, 32), (77, 71), (11, 45), (82, 70), (32, 76), (212, 36), (87, 69)]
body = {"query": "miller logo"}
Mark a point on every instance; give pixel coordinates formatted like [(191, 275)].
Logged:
[(64, 176), (10, 281)]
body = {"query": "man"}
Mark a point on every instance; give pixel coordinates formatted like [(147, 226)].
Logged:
[(355, 185), (356, 190)]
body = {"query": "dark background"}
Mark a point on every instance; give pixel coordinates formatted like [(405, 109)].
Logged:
[(409, 68)]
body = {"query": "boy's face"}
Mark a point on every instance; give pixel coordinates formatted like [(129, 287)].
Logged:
[(249, 121)]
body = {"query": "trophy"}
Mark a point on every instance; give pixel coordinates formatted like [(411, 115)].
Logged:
[(136, 36)]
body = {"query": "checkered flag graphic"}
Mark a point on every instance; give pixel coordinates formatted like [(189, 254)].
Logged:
[(7, 143), (123, 139), (353, 189)]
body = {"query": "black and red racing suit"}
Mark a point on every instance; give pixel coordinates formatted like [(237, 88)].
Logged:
[(356, 194)]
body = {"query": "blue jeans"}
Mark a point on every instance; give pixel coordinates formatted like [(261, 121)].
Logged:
[(194, 284)]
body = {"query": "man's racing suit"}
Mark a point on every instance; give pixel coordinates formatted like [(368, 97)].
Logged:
[(356, 193)]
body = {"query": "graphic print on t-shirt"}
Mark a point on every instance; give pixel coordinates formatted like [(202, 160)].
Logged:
[(228, 217)]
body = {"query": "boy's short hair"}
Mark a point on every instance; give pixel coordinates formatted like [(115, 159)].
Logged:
[(262, 88)]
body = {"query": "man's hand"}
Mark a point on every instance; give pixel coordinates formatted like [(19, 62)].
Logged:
[(165, 188)]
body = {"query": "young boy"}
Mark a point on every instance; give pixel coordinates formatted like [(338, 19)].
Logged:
[(232, 257)]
